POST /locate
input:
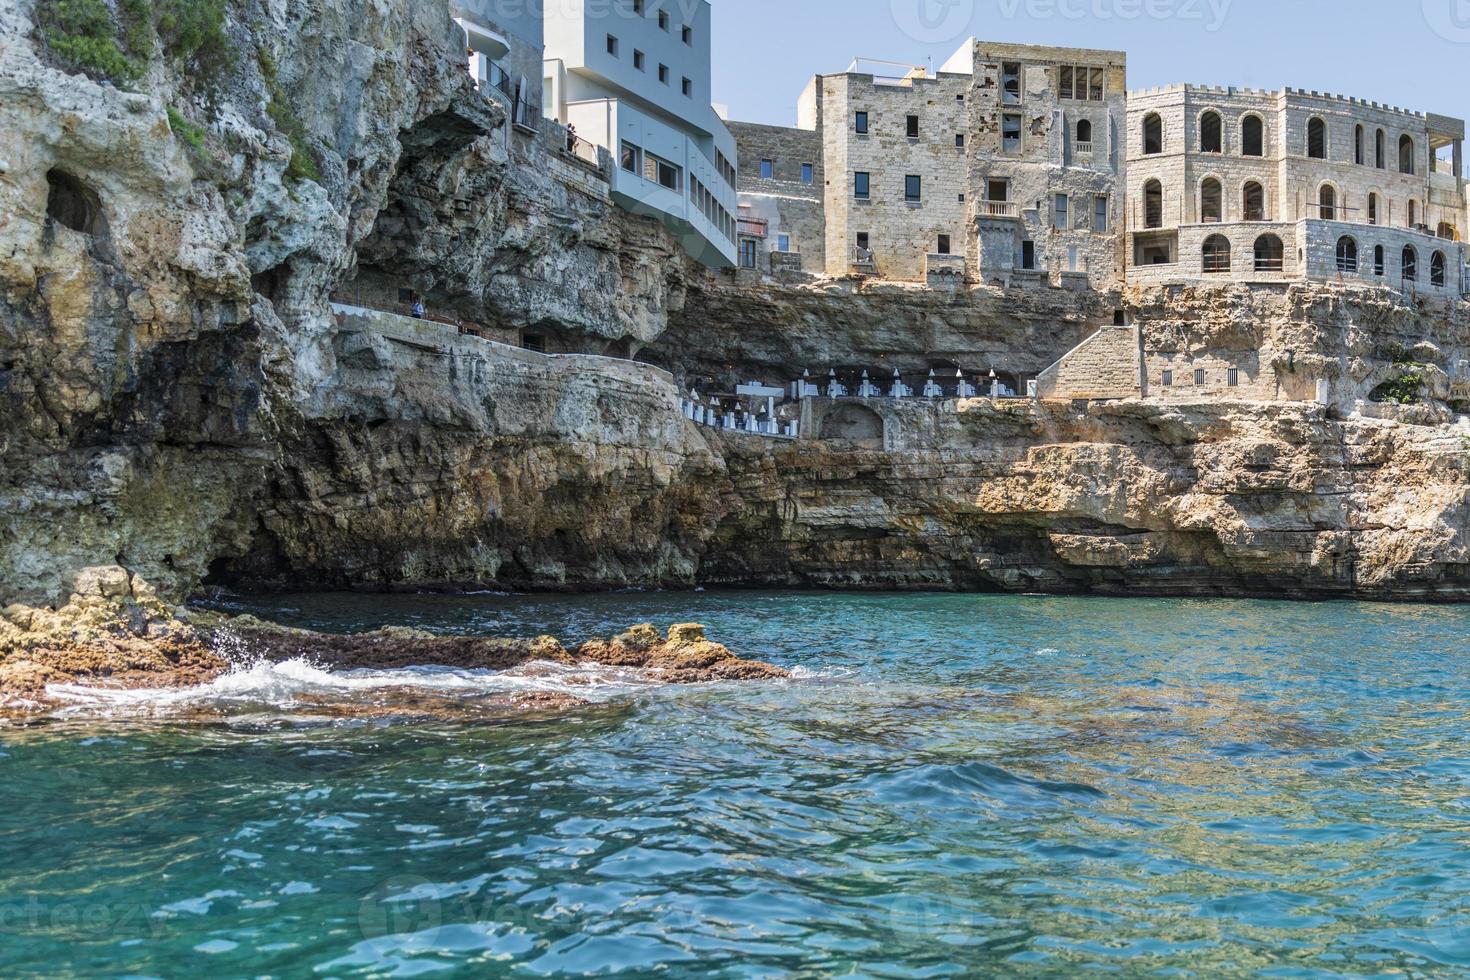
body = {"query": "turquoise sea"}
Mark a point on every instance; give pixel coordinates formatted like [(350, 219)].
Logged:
[(951, 786)]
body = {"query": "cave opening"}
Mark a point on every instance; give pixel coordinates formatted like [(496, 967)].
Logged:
[(72, 204)]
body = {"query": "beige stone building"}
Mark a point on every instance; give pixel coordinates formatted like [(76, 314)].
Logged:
[(1261, 186), (782, 225)]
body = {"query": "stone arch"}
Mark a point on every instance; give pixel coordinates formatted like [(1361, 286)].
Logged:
[(1153, 134), (1407, 151), (1211, 128), (1211, 200), (1409, 263), (1375, 207), (1347, 254), (1437, 269), (1252, 200), (1380, 149), (1379, 261), (1215, 255), (1447, 231), (72, 204), (1270, 254), (1359, 147), (1317, 138), (1153, 204), (1084, 130), (1252, 135), (1329, 201), (1413, 213), (856, 424)]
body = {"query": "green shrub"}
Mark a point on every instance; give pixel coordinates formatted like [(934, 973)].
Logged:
[(192, 135), (302, 165), (193, 31), (83, 36)]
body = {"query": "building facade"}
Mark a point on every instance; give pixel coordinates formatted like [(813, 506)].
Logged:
[(781, 223), (505, 44), (1258, 186), (1047, 165), (633, 76)]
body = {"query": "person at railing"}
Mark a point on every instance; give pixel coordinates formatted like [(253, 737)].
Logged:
[(571, 138), (418, 308)]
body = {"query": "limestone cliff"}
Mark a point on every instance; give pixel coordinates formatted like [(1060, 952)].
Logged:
[(180, 402)]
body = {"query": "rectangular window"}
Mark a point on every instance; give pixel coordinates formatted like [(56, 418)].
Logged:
[(747, 253), (1199, 377), (768, 169), (1064, 83), (668, 175), (860, 123), (806, 173), (997, 190), (1010, 83), (688, 88), (631, 158), (663, 19), (612, 45), (860, 186), (1100, 213), (1028, 255), (638, 7), (962, 198), (913, 187), (638, 60), (913, 127), (783, 243), (1010, 133), (663, 74), (862, 240), (1095, 87), (959, 141), (1059, 212), (943, 244), (1232, 378), (689, 36), (1168, 379)]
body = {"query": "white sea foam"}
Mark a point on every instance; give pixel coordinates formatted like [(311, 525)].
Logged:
[(297, 682)]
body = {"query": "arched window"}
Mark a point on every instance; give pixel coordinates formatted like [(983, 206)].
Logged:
[(1327, 203), (1211, 201), (1253, 201), (1084, 131), (1316, 139), (1153, 134), (1358, 145), (1379, 150), (1252, 136), (1448, 232), (1211, 139), (1436, 269), (1406, 154), (1411, 264), (1347, 254), (1216, 255), (1269, 254), (1413, 214), (1372, 209), (1153, 204), (1378, 260)]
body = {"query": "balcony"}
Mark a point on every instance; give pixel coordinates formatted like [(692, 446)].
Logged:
[(999, 209), (862, 262), (1082, 149), (753, 227)]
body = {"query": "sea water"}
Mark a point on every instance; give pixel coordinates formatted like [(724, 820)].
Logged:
[(948, 786)]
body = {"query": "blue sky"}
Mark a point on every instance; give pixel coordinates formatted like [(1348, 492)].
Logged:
[(1416, 52)]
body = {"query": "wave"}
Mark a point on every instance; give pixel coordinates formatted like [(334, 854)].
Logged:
[(297, 684)]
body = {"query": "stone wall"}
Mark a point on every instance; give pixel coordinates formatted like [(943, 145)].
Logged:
[(1105, 365), (900, 233), (1048, 162), (788, 204)]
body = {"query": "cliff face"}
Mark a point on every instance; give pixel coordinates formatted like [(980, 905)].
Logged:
[(1127, 497), (179, 402)]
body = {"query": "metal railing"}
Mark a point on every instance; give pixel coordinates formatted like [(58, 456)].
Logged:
[(575, 146), (753, 227), (499, 79), (1000, 209)]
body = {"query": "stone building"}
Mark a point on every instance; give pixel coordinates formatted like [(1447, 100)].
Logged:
[(1261, 186), (1046, 162), (782, 223)]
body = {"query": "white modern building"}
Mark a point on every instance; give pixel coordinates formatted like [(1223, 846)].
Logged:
[(634, 76), (505, 44)]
